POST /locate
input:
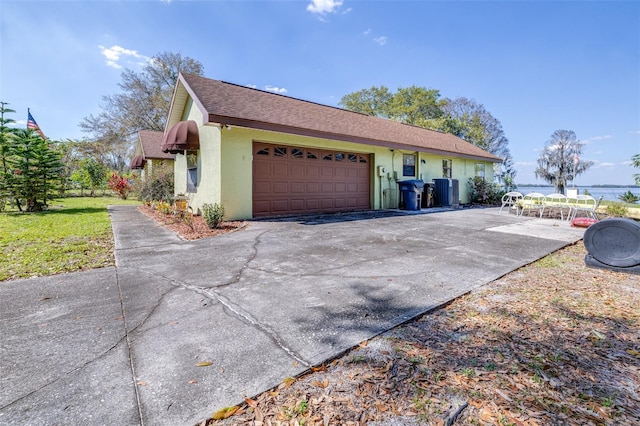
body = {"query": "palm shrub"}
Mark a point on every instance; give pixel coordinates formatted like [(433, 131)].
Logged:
[(629, 197), (212, 214)]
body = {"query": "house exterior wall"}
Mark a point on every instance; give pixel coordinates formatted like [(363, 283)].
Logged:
[(225, 162), (225, 166), (153, 166)]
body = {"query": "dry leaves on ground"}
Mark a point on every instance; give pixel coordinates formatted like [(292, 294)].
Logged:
[(196, 230), (551, 343)]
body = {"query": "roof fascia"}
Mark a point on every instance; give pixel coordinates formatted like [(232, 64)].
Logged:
[(177, 112), (240, 122)]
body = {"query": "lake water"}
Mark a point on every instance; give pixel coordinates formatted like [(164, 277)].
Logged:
[(610, 194)]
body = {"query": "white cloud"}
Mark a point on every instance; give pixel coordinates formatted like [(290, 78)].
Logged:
[(635, 132), (605, 164), (253, 86), (274, 89), (115, 54), (382, 40), (322, 7), (596, 138)]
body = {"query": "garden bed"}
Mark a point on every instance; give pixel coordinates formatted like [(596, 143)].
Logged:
[(196, 230)]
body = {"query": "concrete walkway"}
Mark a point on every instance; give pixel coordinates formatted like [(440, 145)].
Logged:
[(121, 345)]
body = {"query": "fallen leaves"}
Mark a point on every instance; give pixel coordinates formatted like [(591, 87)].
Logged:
[(535, 347)]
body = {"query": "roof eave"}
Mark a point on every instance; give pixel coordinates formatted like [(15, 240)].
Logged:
[(181, 93), (252, 124)]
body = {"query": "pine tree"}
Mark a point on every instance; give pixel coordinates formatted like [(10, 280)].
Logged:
[(33, 170)]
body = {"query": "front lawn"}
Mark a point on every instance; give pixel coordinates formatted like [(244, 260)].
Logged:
[(73, 234)]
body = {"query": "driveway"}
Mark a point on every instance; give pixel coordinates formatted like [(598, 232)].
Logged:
[(178, 329)]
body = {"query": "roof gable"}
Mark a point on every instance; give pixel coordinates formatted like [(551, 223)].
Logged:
[(232, 104), (151, 142)]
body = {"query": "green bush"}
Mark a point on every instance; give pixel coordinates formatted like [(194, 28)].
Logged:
[(212, 214), (483, 192), (158, 188), (617, 210)]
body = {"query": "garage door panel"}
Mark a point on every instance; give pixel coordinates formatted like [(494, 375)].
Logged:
[(262, 205), (280, 169), (280, 187), (313, 187), (296, 170), (353, 173), (297, 187), (327, 171), (298, 180), (261, 169), (313, 171), (262, 188), (280, 205), (352, 202), (297, 205)]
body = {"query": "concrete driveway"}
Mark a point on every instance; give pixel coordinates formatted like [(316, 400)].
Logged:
[(123, 345)]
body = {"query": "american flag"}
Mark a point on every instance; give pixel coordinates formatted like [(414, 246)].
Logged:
[(31, 124)]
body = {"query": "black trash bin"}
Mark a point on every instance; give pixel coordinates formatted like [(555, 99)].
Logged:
[(410, 191)]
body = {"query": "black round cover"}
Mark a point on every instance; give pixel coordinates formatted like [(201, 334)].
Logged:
[(614, 242)]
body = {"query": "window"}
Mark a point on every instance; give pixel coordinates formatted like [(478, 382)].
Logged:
[(280, 151), (263, 151), (311, 155), (480, 170), (446, 168), (408, 165), (353, 158), (192, 171), (328, 157), (339, 156), (297, 153)]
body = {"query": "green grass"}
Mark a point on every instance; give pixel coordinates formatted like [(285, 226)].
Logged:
[(73, 234)]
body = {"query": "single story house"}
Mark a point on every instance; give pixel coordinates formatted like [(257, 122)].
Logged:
[(148, 154), (264, 154)]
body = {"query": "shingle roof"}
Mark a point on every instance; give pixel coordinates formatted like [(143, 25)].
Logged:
[(232, 104), (151, 145)]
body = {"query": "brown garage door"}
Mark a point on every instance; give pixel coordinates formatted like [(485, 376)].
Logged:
[(294, 180)]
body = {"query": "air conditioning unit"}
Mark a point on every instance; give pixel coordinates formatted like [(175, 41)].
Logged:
[(446, 192)]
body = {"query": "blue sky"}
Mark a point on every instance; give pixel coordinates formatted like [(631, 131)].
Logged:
[(536, 66)]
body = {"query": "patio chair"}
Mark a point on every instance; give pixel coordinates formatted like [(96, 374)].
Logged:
[(555, 204), (533, 201), (584, 204), (510, 200)]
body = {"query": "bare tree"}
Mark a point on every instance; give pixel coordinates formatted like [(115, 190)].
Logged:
[(560, 161), (143, 104)]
